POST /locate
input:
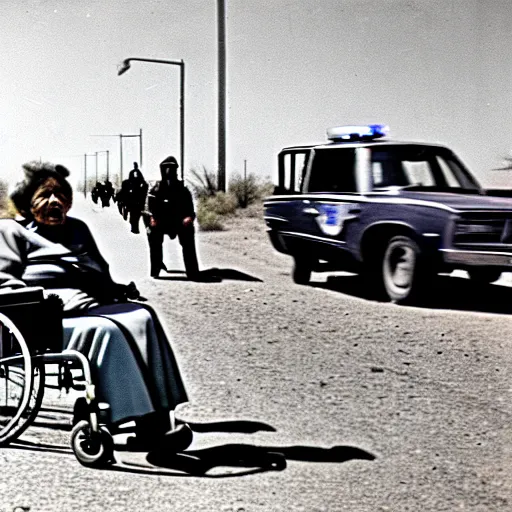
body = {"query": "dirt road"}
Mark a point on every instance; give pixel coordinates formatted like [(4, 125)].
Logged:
[(376, 407)]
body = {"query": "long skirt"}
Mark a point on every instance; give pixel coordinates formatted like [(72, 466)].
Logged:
[(133, 366)]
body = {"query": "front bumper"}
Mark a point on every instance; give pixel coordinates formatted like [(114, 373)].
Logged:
[(462, 258)]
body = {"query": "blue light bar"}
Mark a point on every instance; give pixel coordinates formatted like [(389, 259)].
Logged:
[(357, 132)]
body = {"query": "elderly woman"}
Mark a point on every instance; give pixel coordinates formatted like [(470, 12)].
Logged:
[(134, 368)]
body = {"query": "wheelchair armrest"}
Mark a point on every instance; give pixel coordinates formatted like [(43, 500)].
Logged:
[(26, 295), (39, 318)]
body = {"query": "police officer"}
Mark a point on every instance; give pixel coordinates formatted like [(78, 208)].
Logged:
[(134, 196), (171, 212)]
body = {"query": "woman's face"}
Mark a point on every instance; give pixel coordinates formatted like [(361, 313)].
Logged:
[(50, 203)]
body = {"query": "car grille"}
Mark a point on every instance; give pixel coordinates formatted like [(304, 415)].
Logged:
[(490, 230)]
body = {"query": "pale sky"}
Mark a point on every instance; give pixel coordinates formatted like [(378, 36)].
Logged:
[(434, 70)]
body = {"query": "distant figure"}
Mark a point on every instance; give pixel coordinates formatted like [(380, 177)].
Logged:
[(108, 192), (118, 198), (134, 193), (125, 185), (96, 192), (171, 212)]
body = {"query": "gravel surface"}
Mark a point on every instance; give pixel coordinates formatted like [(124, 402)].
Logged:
[(375, 407)]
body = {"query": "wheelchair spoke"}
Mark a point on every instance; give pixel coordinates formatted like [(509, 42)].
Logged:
[(21, 383)]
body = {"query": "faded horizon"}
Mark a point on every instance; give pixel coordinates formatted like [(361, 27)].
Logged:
[(432, 70)]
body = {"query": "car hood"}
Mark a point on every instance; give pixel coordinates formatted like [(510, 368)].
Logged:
[(461, 202)]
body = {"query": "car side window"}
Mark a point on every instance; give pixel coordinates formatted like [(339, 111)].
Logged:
[(387, 169), (402, 166), (292, 167), (333, 170), (448, 175), (418, 173)]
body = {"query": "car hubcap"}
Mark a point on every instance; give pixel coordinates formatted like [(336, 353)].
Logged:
[(399, 268)]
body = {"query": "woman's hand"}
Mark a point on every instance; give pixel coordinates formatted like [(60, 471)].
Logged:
[(129, 292)]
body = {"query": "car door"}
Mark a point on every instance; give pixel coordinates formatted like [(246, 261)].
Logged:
[(283, 210), (330, 199)]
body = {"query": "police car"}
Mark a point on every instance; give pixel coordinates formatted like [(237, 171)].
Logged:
[(396, 212)]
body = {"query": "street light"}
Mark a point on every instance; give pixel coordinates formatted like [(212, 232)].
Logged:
[(125, 66)]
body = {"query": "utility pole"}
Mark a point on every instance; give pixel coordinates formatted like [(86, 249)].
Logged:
[(121, 137), (85, 172), (120, 159), (221, 47), (246, 199), (140, 147), (85, 175)]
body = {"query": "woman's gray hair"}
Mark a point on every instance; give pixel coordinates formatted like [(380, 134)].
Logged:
[(36, 173)]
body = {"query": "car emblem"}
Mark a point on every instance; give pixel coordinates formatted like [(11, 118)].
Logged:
[(332, 217)]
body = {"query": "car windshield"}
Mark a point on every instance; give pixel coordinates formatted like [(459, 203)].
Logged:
[(420, 168)]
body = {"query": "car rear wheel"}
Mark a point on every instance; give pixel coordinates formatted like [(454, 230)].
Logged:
[(302, 268), (484, 275)]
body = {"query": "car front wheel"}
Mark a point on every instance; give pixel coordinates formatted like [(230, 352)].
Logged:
[(401, 269)]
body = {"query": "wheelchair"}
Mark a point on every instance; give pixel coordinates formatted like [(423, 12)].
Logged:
[(31, 339), (31, 342)]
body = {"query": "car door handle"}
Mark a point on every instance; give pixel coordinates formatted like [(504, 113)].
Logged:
[(355, 210), (311, 211)]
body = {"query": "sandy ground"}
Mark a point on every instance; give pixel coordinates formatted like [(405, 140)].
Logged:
[(375, 407)]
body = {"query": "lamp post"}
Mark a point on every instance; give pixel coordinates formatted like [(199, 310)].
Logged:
[(125, 66)]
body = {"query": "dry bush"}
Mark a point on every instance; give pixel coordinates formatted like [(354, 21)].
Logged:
[(7, 210), (212, 205), (210, 210), (249, 189), (203, 183), (208, 220), (221, 203)]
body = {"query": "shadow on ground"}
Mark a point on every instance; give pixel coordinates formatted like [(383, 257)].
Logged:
[(221, 461), (251, 458), (447, 292), (211, 275)]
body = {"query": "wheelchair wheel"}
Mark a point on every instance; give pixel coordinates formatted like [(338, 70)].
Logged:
[(92, 449), (21, 383)]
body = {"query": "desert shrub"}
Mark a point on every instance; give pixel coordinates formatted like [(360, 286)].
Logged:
[(203, 183), (7, 209), (254, 211), (207, 219), (221, 203), (266, 187), (244, 189), (249, 189), (212, 204), (211, 209)]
